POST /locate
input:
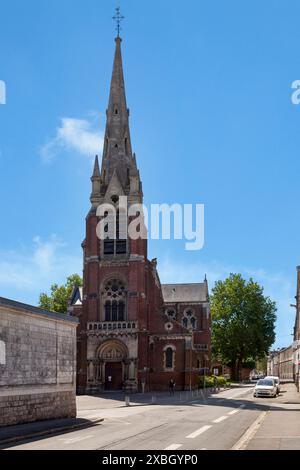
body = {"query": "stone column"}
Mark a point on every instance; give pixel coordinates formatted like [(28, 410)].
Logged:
[(132, 370), (90, 371), (101, 374), (97, 371)]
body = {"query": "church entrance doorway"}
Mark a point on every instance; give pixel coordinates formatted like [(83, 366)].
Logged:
[(113, 376), (113, 355)]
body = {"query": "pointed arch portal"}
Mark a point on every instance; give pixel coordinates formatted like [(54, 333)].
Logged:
[(113, 355)]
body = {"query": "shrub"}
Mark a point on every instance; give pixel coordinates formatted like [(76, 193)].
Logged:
[(205, 382), (211, 381), (221, 381)]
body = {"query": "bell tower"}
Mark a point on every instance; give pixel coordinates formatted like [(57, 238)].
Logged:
[(116, 269)]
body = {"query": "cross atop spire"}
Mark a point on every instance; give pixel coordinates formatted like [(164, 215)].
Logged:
[(118, 18)]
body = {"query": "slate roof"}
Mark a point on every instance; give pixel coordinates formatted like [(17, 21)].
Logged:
[(40, 311), (76, 297), (185, 292)]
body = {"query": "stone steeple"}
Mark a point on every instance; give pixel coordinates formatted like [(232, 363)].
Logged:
[(118, 159), (96, 183)]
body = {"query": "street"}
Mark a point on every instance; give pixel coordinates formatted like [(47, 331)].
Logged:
[(231, 419)]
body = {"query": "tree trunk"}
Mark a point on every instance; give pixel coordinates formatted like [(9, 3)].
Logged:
[(239, 365), (235, 370)]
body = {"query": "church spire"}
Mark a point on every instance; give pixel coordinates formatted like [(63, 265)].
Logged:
[(96, 183), (117, 151), (96, 172)]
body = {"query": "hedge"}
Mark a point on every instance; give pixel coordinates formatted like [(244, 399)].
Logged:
[(210, 381)]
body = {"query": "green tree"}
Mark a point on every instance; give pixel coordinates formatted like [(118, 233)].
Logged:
[(262, 365), (57, 301), (243, 322)]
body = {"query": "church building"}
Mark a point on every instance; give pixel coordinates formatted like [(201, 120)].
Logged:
[(135, 333)]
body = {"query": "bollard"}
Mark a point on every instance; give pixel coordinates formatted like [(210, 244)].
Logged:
[(153, 399), (127, 401)]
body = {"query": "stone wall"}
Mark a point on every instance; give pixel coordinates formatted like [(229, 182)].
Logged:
[(20, 408), (37, 364)]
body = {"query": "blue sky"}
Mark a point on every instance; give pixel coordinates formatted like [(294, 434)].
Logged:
[(209, 89)]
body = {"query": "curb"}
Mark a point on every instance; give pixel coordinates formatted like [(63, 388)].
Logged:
[(51, 431)]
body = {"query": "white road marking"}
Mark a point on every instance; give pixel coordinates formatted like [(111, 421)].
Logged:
[(77, 439), (218, 420), (242, 406), (233, 412), (243, 442), (173, 447), (198, 432)]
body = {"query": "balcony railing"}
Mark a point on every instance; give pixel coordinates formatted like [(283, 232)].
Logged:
[(108, 326)]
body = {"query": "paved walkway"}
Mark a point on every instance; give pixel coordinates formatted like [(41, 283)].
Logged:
[(280, 429)]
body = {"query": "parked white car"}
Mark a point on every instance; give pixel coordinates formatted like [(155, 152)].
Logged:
[(265, 388), (276, 380)]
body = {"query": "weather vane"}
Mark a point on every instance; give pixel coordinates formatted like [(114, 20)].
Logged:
[(118, 18)]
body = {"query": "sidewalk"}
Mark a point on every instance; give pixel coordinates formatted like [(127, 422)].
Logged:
[(25, 431), (280, 429), (118, 399)]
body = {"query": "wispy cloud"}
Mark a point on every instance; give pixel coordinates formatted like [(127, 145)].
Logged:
[(32, 269), (276, 286), (79, 135)]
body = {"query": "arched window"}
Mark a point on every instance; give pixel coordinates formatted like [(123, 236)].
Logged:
[(114, 310), (189, 320), (171, 313), (107, 310), (121, 310), (114, 297), (169, 357)]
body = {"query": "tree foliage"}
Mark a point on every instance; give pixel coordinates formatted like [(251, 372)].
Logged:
[(243, 321), (58, 299)]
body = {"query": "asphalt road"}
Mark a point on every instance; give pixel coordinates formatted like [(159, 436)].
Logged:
[(226, 420)]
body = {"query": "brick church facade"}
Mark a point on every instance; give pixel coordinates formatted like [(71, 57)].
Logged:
[(135, 333)]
